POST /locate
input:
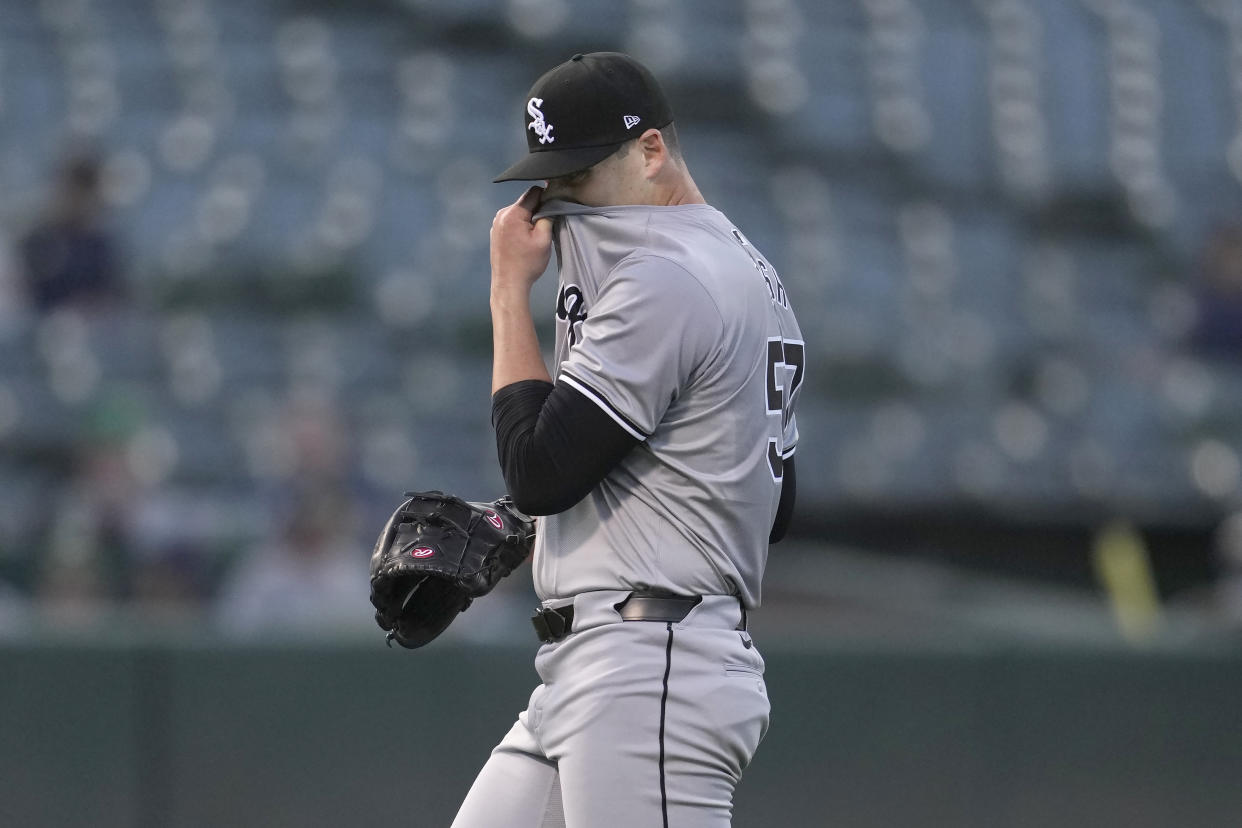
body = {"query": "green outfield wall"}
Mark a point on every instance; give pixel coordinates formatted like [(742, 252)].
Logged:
[(177, 734)]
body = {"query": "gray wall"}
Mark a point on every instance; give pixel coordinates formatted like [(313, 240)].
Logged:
[(177, 735)]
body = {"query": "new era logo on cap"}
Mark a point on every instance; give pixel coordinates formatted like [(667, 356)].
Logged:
[(579, 112)]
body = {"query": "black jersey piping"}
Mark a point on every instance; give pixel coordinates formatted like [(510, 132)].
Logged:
[(599, 399), (668, 667)]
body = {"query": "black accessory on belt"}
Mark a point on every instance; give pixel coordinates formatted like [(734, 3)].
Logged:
[(554, 624)]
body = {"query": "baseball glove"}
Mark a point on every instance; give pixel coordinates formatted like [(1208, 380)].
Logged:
[(436, 554)]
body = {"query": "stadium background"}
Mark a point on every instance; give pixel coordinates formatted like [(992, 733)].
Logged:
[(1010, 228)]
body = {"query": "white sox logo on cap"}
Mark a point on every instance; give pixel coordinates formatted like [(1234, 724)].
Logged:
[(541, 127)]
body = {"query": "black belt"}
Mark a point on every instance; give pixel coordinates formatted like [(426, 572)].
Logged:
[(554, 624)]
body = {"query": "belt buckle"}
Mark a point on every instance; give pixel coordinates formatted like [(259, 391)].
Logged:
[(549, 625)]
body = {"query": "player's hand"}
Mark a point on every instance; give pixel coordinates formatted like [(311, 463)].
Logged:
[(521, 247)]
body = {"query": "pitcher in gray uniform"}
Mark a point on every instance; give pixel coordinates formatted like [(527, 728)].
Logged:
[(660, 458)]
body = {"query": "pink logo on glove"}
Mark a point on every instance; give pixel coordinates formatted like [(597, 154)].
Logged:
[(422, 552), (494, 520)]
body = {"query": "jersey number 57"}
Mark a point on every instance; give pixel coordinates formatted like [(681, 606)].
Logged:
[(786, 361)]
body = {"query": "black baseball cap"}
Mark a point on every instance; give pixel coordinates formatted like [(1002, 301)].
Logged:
[(578, 113)]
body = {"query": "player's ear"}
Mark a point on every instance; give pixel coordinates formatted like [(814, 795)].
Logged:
[(654, 152)]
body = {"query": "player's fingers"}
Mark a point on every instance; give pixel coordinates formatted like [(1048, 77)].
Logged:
[(529, 200), (543, 230)]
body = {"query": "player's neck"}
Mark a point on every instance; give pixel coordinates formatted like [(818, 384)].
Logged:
[(680, 190)]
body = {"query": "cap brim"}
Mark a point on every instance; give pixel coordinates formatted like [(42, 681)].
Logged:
[(539, 166)]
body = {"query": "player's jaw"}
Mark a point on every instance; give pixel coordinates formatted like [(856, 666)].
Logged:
[(566, 187)]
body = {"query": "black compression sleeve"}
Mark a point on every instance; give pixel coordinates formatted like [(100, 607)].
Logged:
[(784, 511), (554, 444)]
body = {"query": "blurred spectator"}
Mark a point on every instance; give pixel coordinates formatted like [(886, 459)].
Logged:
[(72, 591), (318, 438), (69, 258), (171, 581), (1218, 328), (310, 443), (312, 576), (90, 541)]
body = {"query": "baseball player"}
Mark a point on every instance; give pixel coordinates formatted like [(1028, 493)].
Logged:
[(660, 458)]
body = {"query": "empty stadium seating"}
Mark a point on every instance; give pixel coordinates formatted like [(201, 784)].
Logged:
[(987, 214)]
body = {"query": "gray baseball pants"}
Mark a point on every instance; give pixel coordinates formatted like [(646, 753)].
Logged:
[(636, 724)]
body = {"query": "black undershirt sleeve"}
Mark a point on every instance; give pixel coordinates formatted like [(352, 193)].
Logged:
[(555, 445), (784, 511)]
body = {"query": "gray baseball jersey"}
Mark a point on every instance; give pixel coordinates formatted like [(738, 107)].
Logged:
[(671, 322)]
